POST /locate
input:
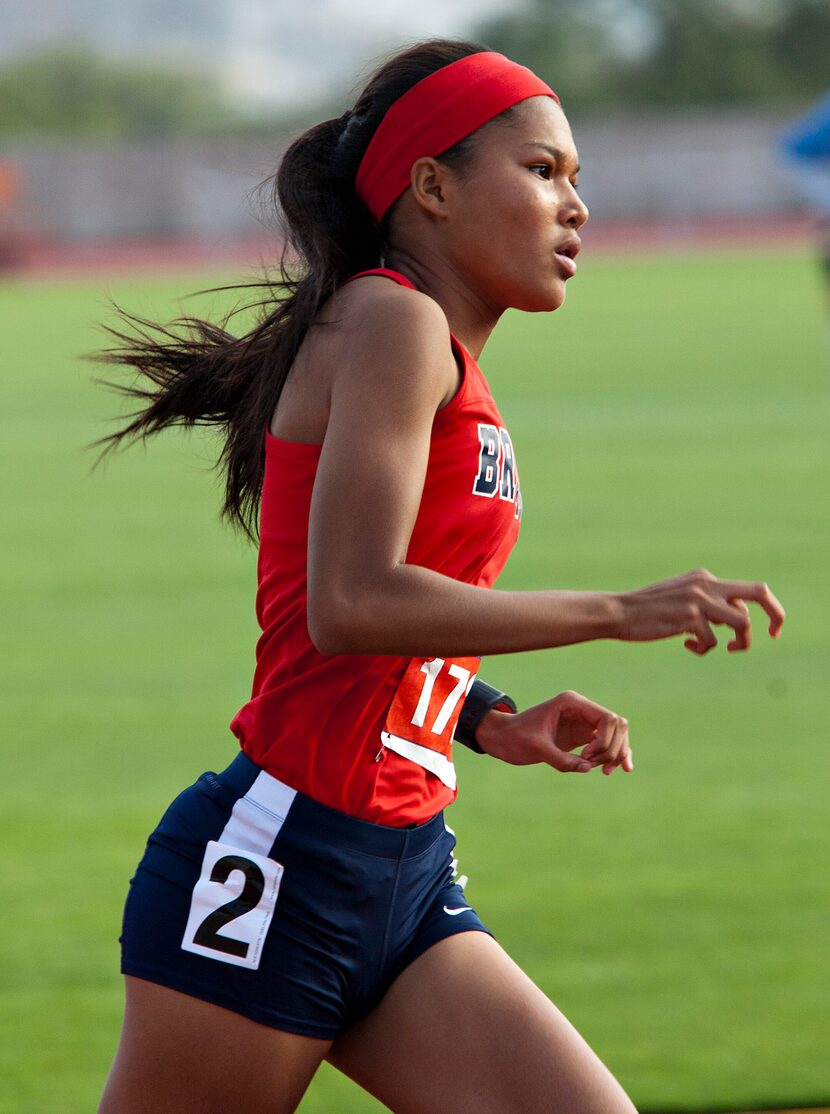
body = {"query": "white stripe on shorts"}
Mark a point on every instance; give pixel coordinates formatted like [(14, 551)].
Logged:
[(257, 817)]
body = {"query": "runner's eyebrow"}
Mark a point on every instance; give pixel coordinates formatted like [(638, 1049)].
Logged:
[(560, 156)]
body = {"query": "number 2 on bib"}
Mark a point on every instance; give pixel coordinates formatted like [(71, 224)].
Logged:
[(425, 710), (232, 905)]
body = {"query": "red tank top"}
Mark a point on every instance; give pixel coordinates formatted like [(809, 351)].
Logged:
[(371, 735)]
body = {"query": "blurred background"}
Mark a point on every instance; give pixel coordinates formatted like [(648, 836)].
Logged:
[(675, 414), (139, 128)]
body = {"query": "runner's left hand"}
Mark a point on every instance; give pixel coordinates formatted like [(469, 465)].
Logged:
[(550, 732)]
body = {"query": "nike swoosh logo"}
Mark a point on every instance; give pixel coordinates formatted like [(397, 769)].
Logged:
[(455, 912)]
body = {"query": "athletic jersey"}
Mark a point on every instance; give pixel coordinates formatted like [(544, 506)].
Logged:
[(371, 735)]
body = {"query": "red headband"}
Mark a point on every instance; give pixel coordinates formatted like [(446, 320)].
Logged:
[(436, 113)]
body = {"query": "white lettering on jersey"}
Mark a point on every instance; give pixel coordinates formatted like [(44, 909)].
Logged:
[(508, 471), (497, 467), (487, 480)]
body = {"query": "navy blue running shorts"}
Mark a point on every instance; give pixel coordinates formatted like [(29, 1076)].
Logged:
[(257, 898)]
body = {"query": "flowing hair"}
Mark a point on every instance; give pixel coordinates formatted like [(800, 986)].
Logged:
[(194, 372)]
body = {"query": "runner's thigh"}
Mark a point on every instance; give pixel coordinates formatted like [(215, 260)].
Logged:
[(180, 1055), (464, 1029)]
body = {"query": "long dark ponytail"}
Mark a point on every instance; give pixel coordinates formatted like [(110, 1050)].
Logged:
[(194, 372)]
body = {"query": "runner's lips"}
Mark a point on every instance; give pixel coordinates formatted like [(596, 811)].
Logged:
[(566, 254)]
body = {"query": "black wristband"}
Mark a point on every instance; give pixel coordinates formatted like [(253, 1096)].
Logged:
[(480, 700)]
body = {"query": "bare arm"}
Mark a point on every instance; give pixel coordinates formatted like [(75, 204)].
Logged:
[(397, 370)]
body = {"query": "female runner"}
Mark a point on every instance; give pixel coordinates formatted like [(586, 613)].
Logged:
[(301, 905)]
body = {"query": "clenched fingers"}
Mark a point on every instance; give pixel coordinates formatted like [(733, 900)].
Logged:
[(609, 748), (722, 603), (736, 590), (575, 721)]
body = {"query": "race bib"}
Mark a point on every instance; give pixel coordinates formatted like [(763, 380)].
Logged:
[(425, 709), (232, 905)]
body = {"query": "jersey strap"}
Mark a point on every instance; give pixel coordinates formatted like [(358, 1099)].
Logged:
[(396, 276)]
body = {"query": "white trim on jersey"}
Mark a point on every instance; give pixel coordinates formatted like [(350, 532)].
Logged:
[(431, 760)]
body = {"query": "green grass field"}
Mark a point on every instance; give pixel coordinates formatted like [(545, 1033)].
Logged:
[(675, 414)]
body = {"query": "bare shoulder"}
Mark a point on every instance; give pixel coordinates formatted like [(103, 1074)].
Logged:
[(381, 343), (377, 301), (382, 328)]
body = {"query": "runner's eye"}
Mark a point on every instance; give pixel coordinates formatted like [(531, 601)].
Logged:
[(543, 166)]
